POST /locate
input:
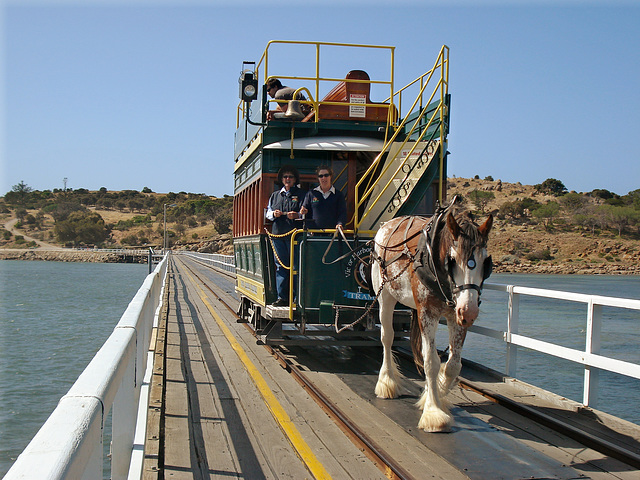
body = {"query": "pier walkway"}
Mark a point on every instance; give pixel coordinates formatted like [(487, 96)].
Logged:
[(224, 406)]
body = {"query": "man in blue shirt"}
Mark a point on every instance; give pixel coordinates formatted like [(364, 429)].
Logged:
[(283, 209), (325, 204)]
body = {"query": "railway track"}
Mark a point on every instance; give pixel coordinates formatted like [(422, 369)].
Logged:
[(390, 467), (382, 459)]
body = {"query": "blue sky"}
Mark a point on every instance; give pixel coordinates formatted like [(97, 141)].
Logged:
[(138, 94)]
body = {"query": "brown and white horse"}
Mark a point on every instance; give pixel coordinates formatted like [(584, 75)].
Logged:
[(436, 266)]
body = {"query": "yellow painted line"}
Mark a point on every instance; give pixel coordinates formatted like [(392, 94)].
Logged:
[(279, 414)]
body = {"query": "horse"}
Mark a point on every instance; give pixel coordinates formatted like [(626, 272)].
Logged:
[(437, 267)]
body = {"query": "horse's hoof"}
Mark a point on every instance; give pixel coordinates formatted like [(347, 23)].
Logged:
[(434, 421), (385, 390)]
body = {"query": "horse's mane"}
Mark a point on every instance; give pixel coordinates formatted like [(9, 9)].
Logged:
[(469, 237)]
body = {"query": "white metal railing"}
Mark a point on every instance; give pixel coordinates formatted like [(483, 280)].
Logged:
[(70, 443), (123, 251), (224, 262), (589, 358)]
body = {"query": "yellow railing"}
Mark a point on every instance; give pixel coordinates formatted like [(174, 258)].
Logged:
[(262, 71), (439, 73)]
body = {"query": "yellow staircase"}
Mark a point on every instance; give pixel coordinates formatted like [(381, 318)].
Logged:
[(401, 172)]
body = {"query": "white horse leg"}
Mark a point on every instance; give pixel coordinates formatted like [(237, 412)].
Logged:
[(435, 417), (451, 369), (387, 386)]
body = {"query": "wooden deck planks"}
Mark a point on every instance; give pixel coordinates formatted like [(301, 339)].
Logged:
[(216, 425), (591, 463)]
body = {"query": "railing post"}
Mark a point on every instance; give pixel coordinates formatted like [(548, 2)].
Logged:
[(594, 335), (513, 314), (123, 422)]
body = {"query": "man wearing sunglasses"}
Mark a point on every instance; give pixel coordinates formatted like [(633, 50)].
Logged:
[(325, 205), (283, 209)]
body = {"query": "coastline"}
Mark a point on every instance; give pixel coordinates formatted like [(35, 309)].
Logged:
[(564, 268), (60, 255), (567, 268)]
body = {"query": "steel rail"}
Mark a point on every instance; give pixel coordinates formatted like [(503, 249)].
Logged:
[(380, 458), (594, 442)]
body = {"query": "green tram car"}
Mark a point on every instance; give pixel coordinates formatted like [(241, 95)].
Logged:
[(387, 148)]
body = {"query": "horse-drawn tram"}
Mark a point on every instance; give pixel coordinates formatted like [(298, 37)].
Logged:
[(385, 149), (220, 405)]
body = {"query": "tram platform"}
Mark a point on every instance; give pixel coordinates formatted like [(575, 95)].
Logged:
[(223, 406)]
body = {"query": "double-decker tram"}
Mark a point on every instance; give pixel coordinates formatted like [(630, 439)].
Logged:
[(387, 150)]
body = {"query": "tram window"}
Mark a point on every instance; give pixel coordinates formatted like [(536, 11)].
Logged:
[(246, 258), (238, 257), (250, 262), (257, 258)]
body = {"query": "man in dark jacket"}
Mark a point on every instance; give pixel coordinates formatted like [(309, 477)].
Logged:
[(283, 210), (325, 204)]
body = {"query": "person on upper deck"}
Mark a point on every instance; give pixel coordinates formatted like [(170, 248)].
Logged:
[(326, 204), (282, 95), (283, 209)]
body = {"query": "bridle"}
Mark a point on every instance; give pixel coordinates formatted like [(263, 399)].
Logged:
[(439, 281)]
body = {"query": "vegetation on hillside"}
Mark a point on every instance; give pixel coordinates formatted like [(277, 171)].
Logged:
[(535, 223), (111, 219), (546, 223), (555, 206)]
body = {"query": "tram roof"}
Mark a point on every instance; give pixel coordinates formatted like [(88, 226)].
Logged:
[(361, 144)]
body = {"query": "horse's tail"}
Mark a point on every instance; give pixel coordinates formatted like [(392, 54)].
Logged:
[(416, 341)]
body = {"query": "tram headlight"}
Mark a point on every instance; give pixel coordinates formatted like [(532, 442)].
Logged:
[(248, 86), (249, 92)]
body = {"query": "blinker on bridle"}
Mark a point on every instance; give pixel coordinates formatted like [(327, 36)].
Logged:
[(471, 264)]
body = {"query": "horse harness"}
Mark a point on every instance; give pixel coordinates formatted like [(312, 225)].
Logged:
[(438, 280)]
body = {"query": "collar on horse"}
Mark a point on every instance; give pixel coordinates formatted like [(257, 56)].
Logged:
[(440, 280)]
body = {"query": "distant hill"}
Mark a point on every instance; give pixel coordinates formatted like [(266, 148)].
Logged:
[(131, 219), (538, 228), (578, 238)]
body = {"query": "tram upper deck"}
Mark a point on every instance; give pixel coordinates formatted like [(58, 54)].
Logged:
[(387, 147)]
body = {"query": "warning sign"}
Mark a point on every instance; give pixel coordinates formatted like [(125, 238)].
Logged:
[(359, 110)]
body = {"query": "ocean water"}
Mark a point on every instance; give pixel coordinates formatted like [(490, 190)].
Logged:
[(54, 317), (563, 323)]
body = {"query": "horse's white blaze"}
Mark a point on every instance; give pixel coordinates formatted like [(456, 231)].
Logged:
[(467, 300)]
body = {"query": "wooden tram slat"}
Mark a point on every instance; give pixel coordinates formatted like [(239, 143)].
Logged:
[(226, 450)]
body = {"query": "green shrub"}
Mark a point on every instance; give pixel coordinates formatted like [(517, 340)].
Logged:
[(538, 255), (123, 225), (82, 227), (130, 240)]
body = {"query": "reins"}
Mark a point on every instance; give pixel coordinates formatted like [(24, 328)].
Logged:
[(350, 252)]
